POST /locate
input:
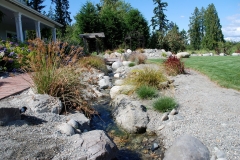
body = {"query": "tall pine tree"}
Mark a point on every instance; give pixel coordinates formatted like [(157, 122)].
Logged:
[(195, 30), (213, 33), (159, 20), (62, 15), (36, 5)]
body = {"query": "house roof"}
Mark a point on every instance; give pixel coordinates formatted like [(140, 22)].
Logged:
[(25, 7)]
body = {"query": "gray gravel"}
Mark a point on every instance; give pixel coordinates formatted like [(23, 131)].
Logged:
[(207, 112)]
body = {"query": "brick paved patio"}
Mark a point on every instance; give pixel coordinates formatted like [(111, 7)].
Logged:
[(13, 85)]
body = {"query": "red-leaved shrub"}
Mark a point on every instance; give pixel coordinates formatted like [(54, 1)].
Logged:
[(174, 66)]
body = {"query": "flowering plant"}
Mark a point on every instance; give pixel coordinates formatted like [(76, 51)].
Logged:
[(12, 55)]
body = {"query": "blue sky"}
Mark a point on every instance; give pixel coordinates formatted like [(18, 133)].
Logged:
[(179, 12)]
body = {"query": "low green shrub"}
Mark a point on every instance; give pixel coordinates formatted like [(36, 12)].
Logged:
[(164, 54), (174, 66), (145, 92), (131, 64), (164, 104)]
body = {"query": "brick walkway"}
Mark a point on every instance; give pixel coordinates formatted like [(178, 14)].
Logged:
[(13, 85)]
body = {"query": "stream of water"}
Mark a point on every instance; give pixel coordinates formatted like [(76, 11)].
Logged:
[(131, 146)]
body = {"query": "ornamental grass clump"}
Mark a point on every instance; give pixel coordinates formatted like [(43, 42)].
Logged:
[(146, 77), (139, 58), (145, 92), (174, 66), (164, 104), (93, 61), (55, 73)]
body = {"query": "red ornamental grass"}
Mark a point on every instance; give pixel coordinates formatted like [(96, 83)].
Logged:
[(174, 66)]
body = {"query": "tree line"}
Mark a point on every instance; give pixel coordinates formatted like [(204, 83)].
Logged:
[(119, 20)]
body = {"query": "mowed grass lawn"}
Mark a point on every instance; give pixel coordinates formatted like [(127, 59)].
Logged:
[(224, 70)]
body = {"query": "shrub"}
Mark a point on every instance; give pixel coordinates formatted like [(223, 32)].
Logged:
[(131, 64), (108, 51), (120, 50), (146, 77), (12, 55), (55, 73), (145, 92), (164, 54), (164, 104), (139, 58), (140, 50), (93, 61), (174, 66)]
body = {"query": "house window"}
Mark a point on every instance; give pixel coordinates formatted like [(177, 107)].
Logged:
[(11, 36)]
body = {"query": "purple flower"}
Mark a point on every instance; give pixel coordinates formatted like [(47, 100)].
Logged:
[(5, 49), (11, 54), (10, 61), (11, 43)]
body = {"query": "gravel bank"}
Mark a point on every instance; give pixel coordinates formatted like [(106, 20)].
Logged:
[(210, 113)]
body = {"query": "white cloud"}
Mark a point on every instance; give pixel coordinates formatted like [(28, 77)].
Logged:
[(232, 30), (182, 16)]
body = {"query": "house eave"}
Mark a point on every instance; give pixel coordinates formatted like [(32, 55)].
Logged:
[(19, 4)]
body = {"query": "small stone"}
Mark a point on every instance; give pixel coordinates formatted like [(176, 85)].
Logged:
[(165, 116), (173, 112), (117, 75), (154, 147)]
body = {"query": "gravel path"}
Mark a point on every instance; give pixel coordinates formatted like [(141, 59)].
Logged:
[(210, 113)]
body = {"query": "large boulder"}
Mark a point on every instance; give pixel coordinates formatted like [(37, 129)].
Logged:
[(91, 145), (183, 55), (38, 103), (187, 147), (116, 65), (130, 115)]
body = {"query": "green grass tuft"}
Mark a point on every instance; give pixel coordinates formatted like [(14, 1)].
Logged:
[(164, 104), (145, 92), (131, 64)]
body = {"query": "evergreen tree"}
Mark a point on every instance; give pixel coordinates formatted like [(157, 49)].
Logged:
[(213, 33), (174, 40), (137, 23), (159, 20), (62, 15), (36, 5), (195, 30)]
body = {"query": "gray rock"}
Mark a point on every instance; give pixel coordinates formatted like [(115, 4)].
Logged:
[(104, 83), (183, 55), (83, 121), (130, 115), (126, 63), (235, 54), (187, 147), (91, 145), (41, 103), (66, 129), (154, 147), (222, 54)]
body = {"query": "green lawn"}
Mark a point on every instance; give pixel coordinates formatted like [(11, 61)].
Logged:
[(223, 70)]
